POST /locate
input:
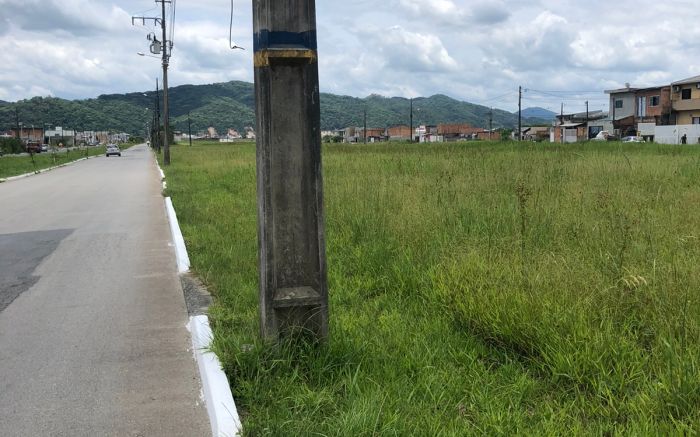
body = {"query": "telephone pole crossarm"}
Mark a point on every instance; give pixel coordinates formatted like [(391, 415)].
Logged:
[(143, 20)]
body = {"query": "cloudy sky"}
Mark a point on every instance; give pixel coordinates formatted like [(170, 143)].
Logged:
[(476, 50)]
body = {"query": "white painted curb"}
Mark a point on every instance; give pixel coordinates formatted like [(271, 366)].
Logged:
[(217, 393), (223, 415), (183, 260), (26, 175), (162, 176)]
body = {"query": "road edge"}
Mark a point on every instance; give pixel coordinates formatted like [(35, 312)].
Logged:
[(183, 260), (218, 398), (221, 408)]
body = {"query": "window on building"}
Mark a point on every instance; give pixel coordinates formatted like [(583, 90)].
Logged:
[(685, 94), (654, 101), (696, 120), (618, 103), (641, 106)]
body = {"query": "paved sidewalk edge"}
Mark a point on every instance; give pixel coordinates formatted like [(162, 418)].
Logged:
[(221, 407), (26, 175)]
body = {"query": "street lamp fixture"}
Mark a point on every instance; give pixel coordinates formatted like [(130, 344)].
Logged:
[(146, 56)]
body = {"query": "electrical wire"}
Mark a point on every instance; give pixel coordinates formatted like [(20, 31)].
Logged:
[(173, 7), (493, 99), (231, 44)]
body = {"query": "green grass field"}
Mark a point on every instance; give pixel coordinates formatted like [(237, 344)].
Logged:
[(17, 165), (475, 289)]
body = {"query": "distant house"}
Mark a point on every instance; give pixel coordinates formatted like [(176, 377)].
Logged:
[(459, 131), (428, 134), (349, 134), (58, 135), (536, 133), (374, 135), (249, 133), (623, 109), (233, 134), (402, 132), (28, 134), (581, 126), (685, 100)]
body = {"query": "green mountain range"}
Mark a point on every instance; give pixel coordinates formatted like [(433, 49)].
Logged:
[(232, 105)]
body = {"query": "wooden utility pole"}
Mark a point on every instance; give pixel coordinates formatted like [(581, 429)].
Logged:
[(293, 285)]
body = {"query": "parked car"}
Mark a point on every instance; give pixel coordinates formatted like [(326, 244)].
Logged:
[(633, 139), (604, 136), (113, 149), (44, 147), (34, 148)]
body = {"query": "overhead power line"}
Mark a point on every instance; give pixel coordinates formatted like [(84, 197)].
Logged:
[(231, 44)]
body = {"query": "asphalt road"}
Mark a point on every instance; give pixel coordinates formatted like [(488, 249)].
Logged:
[(92, 315)]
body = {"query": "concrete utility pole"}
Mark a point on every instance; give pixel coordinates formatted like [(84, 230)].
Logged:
[(614, 106), (158, 138), (293, 284), (588, 131), (165, 50), (561, 122), (411, 120), (364, 129), (166, 113), (490, 123), (520, 113), (189, 128), (18, 124)]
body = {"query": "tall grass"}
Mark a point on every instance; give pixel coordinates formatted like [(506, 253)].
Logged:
[(475, 289)]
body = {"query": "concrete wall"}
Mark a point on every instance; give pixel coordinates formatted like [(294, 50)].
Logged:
[(673, 134)]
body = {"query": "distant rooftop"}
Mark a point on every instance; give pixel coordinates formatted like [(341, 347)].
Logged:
[(634, 90), (694, 79)]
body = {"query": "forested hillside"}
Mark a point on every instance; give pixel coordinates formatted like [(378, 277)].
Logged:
[(232, 105)]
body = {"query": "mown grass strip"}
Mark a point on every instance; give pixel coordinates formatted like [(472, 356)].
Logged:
[(475, 288), (18, 165)]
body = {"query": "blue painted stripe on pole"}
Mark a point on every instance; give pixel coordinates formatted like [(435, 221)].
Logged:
[(266, 39)]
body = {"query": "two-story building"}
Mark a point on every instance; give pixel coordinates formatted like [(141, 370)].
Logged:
[(685, 100), (653, 105), (623, 109)]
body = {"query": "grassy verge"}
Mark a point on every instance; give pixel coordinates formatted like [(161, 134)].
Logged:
[(475, 289), (17, 165)]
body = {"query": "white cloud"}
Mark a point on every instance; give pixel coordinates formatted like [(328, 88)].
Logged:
[(469, 49)]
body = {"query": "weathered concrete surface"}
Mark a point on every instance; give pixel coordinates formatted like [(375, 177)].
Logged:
[(98, 344), (293, 286)]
